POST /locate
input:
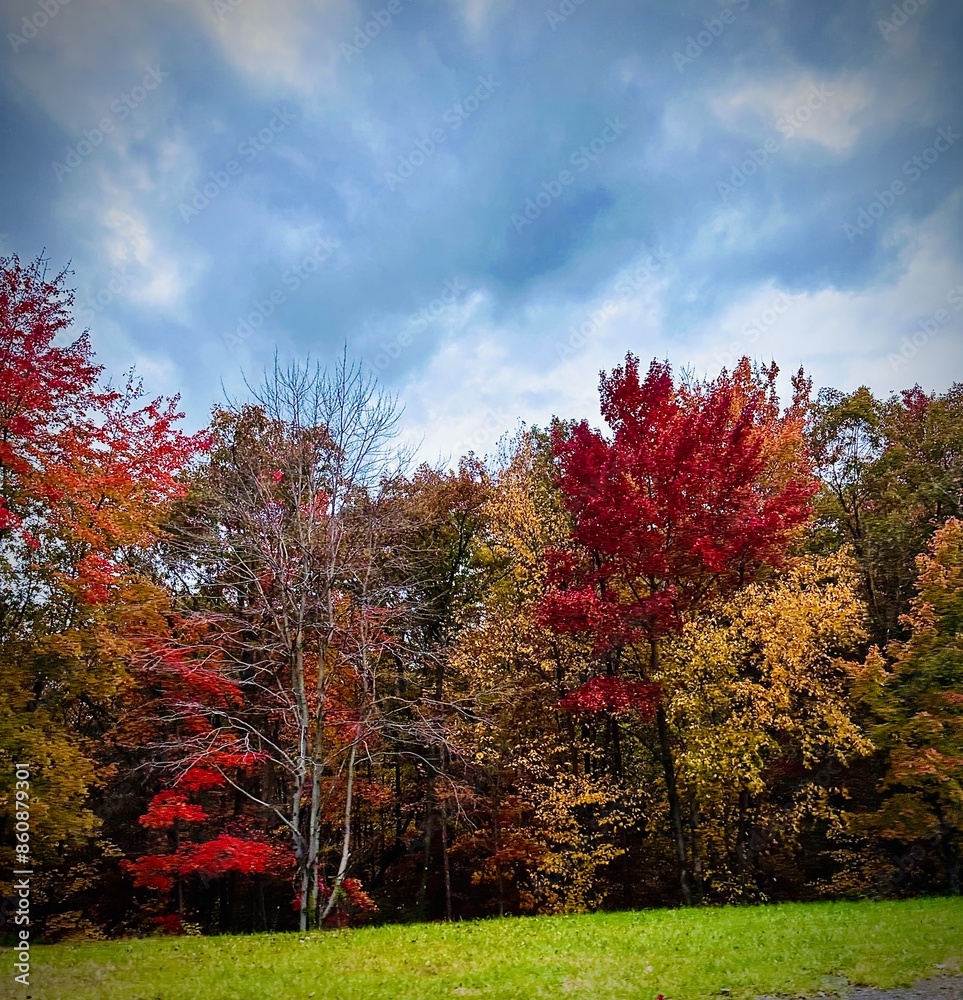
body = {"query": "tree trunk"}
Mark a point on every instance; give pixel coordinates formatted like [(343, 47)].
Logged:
[(671, 786), (422, 898), (302, 850), (675, 810), (444, 860), (304, 887), (496, 826), (314, 818), (697, 867), (346, 845)]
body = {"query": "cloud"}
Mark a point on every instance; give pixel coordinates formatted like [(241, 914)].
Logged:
[(478, 15), (540, 361), (289, 45), (903, 329), (505, 347), (832, 111), (849, 338)]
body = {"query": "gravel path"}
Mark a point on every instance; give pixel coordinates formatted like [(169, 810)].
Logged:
[(943, 988), (940, 988)]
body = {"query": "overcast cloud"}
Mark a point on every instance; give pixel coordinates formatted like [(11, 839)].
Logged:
[(489, 200)]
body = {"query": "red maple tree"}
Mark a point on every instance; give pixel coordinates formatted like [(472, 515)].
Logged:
[(699, 485)]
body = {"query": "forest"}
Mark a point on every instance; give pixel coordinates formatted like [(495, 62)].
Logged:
[(276, 675)]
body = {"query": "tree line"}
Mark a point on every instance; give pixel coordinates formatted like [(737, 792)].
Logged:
[(275, 675)]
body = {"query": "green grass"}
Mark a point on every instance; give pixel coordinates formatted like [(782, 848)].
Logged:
[(788, 949)]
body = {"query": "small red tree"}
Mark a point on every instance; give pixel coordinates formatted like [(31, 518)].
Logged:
[(699, 486), (224, 854)]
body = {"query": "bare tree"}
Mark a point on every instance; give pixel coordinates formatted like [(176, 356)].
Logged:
[(280, 548)]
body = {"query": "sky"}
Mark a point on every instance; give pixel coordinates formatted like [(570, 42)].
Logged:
[(489, 201)]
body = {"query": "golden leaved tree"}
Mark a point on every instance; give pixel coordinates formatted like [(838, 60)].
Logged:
[(761, 706)]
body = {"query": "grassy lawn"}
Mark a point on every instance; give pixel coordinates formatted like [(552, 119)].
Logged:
[(683, 954)]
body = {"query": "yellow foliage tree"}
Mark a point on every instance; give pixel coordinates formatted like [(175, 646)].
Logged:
[(761, 701)]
